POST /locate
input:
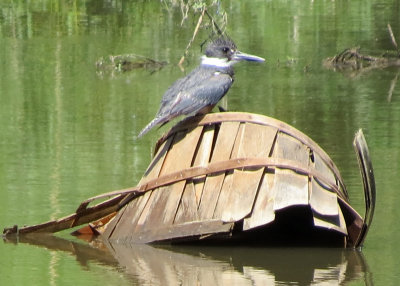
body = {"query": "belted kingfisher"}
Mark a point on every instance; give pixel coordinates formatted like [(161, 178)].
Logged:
[(200, 90)]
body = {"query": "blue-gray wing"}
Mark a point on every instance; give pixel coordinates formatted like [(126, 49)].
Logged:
[(195, 97), (191, 94)]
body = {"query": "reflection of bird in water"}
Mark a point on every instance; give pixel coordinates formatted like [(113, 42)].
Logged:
[(200, 90)]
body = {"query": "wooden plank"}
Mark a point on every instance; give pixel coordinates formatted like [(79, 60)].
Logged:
[(322, 200), (193, 230), (87, 215), (110, 226), (290, 189), (202, 158), (162, 208), (222, 199), (323, 168), (187, 210), (263, 211), (241, 195), (336, 223), (153, 196), (222, 151), (187, 147), (325, 208), (153, 171), (288, 147), (126, 220), (368, 179), (255, 142)]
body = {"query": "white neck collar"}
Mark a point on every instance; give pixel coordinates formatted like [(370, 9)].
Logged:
[(216, 62)]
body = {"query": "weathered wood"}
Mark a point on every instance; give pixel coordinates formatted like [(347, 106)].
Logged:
[(135, 209), (188, 148), (203, 157), (322, 200), (367, 174), (253, 143), (222, 200), (161, 210), (130, 214), (153, 171), (222, 151), (187, 210), (218, 118), (336, 223), (236, 171), (324, 169), (263, 211), (87, 215), (291, 187), (196, 230), (325, 207)]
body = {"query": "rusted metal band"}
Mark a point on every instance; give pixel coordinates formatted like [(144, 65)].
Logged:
[(219, 167)]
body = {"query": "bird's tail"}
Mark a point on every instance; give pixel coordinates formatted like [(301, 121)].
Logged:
[(149, 126)]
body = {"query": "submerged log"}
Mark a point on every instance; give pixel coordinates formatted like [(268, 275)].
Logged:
[(353, 60), (127, 62)]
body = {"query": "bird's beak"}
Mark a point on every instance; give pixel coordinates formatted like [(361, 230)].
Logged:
[(239, 56)]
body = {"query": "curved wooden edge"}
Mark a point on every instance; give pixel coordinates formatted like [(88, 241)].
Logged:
[(238, 163), (78, 218), (215, 118), (368, 179)]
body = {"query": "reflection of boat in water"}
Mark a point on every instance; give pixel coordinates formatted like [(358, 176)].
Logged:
[(233, 177), (241, 265), (204, 265)]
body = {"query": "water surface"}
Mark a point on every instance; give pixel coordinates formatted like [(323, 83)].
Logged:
[(67, 131)]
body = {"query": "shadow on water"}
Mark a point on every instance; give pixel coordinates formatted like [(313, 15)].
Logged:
[(205, 265)]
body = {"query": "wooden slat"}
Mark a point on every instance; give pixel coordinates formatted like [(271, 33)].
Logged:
[(121, 228), (188, 148), (197, 229), (214, 118), (163, 207), (222, 151), (110, 226), (320, 166), (153, 171), (325, 208), (130, 215), (187, 210), (263, 211), (85, 216), (336, 223), (323, 201), (255, 142), (288, 147), (223, 198), (291, 187), (153, 196), (202, 158)]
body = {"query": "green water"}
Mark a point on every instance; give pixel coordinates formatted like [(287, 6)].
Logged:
[(67, 131)]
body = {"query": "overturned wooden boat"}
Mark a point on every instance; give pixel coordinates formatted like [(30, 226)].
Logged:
[(232, 177)]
